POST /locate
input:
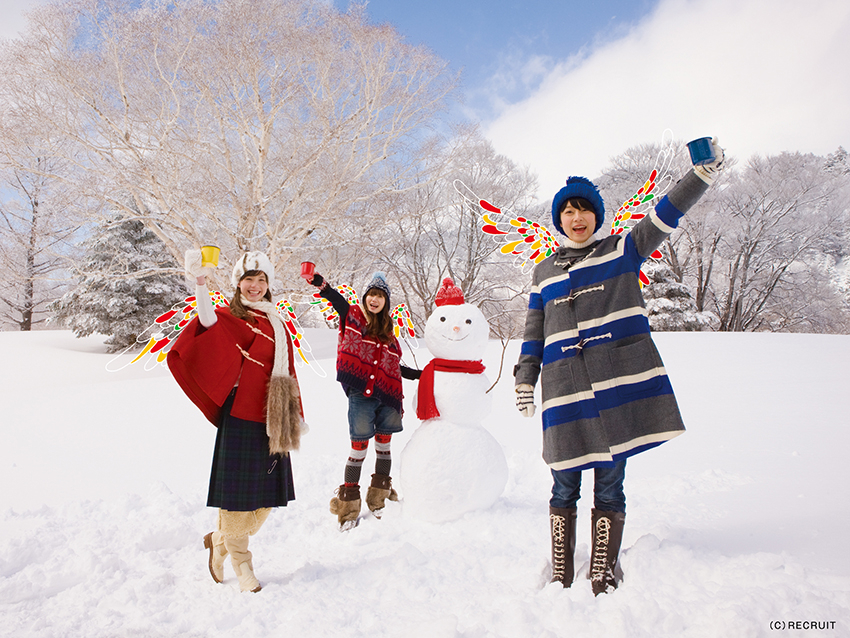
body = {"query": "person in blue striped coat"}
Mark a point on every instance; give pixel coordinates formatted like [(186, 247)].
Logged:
[(605, 393)]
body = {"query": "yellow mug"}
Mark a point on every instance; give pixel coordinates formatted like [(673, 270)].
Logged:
[(209, 256)]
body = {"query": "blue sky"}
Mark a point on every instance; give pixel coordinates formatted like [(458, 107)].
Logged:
[(481, 38), (562, 86)]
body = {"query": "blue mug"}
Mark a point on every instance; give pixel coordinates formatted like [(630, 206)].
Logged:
[(701, 150)]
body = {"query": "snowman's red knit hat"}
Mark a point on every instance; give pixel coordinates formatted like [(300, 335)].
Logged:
[(449, 294)]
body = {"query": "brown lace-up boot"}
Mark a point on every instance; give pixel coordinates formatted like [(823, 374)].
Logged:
[(562, 525), (605, 573)]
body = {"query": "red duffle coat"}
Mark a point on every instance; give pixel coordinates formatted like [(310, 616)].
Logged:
[(208, 362)]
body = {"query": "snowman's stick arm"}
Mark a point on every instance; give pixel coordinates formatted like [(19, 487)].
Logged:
[(501, 364), (412, 354), (415, 362)]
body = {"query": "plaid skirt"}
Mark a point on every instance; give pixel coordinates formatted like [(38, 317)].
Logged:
[(244, 476)]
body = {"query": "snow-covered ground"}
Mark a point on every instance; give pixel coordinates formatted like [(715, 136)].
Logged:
[(738, 524)]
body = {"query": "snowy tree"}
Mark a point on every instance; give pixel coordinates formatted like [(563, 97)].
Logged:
[(763, 249), (838, 162), (779, 212), (669, 303), (244, 123), (36, 226), (123, 285), (434, 232), (40, 214)]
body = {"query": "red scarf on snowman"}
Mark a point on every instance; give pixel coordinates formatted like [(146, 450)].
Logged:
[(426, 406)]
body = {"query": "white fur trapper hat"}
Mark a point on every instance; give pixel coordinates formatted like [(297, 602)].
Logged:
[(252, 260)]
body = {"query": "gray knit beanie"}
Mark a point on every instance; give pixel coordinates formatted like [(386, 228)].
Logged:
[(379, 281)]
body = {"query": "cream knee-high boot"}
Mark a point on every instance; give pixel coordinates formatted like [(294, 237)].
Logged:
[(240, 558), (235, 528), (214, 541)]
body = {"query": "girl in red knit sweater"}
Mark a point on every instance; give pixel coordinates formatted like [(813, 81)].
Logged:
[(370, 371)]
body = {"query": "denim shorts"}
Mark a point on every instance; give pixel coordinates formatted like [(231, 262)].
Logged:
[(367, 416)]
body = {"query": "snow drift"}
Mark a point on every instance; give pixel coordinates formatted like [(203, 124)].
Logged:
[(735, 525)]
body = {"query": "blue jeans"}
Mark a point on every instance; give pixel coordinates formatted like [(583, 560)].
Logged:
[(367, 415), (608, 492)]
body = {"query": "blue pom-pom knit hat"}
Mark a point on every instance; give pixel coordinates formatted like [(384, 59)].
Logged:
[(578, 187)]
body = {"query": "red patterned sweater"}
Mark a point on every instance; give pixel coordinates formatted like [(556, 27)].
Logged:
[(366, 365), (363, 363)]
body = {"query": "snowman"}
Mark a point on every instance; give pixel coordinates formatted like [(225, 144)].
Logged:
[(452, 465)]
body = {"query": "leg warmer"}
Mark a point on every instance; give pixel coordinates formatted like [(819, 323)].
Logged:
[(354, 465), (383, 456)]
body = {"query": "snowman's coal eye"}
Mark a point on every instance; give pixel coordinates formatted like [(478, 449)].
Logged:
[(469, 321), (442, 318)]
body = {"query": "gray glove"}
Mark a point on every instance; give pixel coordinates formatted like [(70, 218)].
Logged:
[(525, 399), (709, 172)]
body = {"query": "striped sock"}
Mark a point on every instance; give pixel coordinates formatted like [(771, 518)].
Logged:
[(383, 456), (355, 462)]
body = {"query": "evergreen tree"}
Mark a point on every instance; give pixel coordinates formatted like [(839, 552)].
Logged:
[(669, 304), (837, 162), (125, 282)]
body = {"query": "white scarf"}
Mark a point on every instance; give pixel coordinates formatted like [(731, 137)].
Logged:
[(284, 425), (281, 358)]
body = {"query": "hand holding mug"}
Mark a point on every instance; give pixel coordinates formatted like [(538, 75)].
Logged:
[(193, 264), (308, 269), (707, 156)]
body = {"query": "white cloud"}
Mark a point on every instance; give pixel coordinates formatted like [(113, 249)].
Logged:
[(765, 76), (13, 16)]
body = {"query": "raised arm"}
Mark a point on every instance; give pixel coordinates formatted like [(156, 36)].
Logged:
[(331, 294), (203, 303), (651, 231)]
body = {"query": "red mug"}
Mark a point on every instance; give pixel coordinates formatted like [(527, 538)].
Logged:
[(308, 269)]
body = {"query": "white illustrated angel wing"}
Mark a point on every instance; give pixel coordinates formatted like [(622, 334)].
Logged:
[(161, 334), (531, 242), (296, 335), (528, 241)]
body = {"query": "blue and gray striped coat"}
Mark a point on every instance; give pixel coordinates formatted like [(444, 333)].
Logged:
[(605, 393)]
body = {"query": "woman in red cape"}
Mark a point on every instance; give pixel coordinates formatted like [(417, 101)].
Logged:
[(236, 364)]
